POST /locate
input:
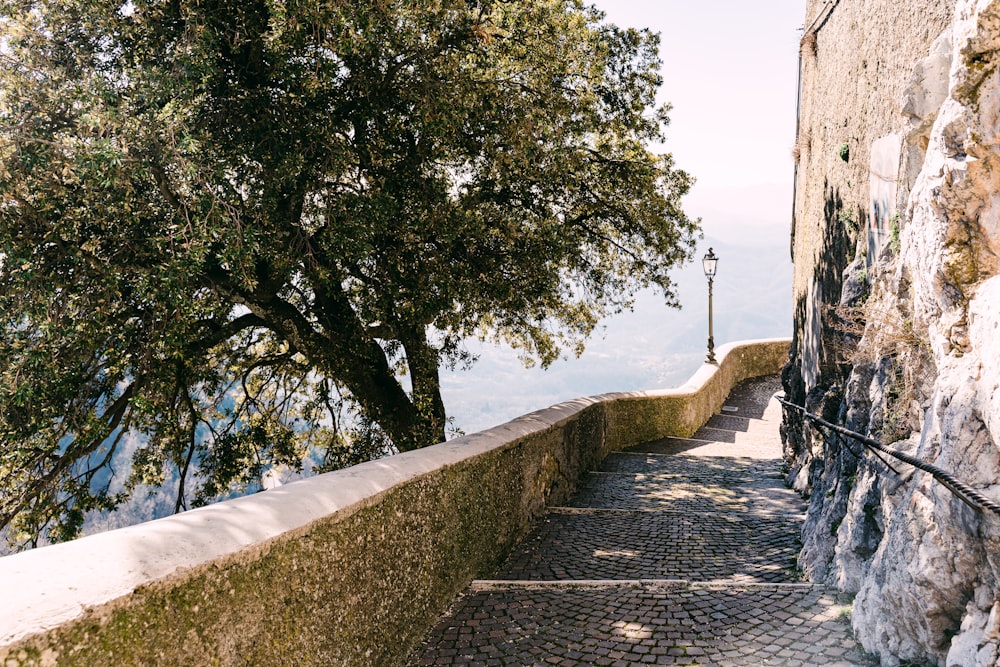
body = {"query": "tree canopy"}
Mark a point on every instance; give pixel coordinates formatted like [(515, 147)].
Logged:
[(226, 225)]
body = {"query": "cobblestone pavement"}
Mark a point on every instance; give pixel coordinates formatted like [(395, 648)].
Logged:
[(573, 546), (677, 552)]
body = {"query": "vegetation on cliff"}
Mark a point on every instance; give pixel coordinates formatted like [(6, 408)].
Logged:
[(229, 226)]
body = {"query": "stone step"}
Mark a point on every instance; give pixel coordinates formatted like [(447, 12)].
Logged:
[(637, 623), (705, 496), (724, 467), (571, 544), (668, 446), (566, 584), (751, 444), (729, 422), (751, 398), (715, 434)]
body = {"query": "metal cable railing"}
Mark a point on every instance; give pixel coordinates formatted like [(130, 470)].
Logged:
[(963, 491), (822, 16)]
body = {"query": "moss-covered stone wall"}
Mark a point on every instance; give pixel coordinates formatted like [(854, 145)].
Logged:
[(361, 584)]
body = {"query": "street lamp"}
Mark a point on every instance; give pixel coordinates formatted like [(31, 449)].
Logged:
[(709, 263)]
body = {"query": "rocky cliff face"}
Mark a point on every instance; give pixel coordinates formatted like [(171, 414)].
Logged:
[(898, 337)]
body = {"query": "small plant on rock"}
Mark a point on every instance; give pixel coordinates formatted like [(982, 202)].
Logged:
[(894, 233)]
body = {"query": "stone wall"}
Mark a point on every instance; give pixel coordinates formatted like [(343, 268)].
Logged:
[(897, 330), (347, 568), (856, 60)]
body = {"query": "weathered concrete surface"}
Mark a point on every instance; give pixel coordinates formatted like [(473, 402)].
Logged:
[(345, 568), (921, 371)]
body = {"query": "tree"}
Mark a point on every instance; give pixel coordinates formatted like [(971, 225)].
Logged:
[(224, 222)]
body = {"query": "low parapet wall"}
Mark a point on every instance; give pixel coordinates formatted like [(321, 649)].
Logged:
[(346, 568)]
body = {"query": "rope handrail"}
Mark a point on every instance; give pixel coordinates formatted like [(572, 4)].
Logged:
[(963, 491)]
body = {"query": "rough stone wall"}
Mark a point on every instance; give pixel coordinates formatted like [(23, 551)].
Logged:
[(898, 318)]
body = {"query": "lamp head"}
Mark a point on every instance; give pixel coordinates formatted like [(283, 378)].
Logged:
[(709, 262)]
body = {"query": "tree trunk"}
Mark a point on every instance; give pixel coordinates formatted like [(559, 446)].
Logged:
[(342, 348), (358, 361), (423, 361)]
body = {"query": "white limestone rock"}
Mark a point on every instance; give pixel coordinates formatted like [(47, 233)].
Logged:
[(931, 589), (922, 99), (977, 643)]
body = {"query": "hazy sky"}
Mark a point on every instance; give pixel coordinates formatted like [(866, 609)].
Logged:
[(730, 70)]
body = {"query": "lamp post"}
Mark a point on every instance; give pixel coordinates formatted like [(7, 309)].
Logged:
[(709, 263)]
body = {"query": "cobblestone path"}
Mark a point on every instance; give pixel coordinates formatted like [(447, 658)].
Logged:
[(676, 552)]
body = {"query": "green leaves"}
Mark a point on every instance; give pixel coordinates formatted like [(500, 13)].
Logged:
[(226, 225), (241, 457)]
